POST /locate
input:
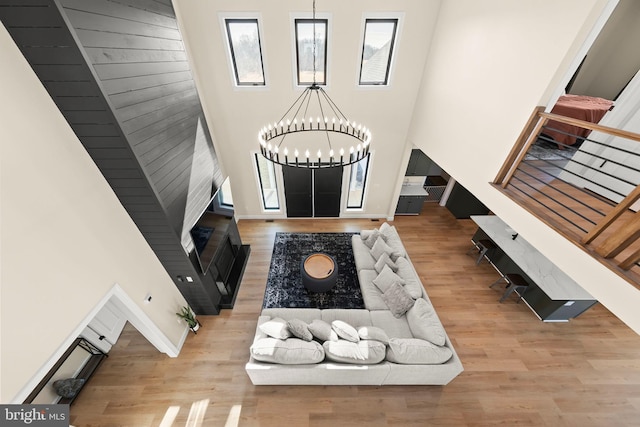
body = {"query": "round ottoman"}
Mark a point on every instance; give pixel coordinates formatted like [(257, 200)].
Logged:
[(319, 272)]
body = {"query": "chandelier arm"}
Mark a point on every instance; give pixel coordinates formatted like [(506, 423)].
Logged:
[(304, 93), (333, 105), (326, 132)]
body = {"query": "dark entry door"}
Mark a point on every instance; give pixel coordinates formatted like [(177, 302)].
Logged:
[(312, 193), (327, 186), (298, 190)]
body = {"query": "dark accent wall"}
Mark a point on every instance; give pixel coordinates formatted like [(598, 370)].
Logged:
[(133, 105)]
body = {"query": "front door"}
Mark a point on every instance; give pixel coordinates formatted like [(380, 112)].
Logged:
[(312, 192)]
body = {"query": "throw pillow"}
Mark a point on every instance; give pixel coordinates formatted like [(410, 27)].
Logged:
[(369, 237), (292, 351), (385, 229), (373, 333), (345, 331), (322, 331), (380, 247), (68, 387), (424, 322), (398, 300), (276, 328), (363, 352), (414, 351), (386, 278), (385, 260), (299, 329)]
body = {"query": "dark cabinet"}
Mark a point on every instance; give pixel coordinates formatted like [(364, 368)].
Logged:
[(419, 164), (410, 205)]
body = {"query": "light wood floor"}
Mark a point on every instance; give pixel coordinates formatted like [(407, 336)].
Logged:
[(518, 370)]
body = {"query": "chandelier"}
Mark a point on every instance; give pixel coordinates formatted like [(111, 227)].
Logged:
[(320, 135)]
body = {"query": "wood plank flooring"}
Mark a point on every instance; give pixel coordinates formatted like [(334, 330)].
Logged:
[(518, 370)]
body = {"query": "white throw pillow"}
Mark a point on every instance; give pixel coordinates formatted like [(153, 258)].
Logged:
[(373, 333), (413, 351), (385, 260), (363, 352), (292, 351), (424, 322), (398, 300), (276, 328), (345, 331), (322, 331), (299, 329), (386, 278), (369, 237), (380, 247)]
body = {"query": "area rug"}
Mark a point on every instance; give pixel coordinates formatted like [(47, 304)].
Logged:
[(284, 283)]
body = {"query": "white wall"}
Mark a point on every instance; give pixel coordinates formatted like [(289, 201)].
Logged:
[(65, 238), (491, 63), (236, 115)]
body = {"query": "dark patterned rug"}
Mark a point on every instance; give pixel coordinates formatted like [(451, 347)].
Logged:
[(284, 284)]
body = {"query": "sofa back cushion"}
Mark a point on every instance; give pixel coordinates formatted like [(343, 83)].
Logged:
[(292, 351), (424, 323), (416, 352), (364, 352)]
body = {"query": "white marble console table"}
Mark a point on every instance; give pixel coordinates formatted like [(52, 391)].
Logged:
[(552, 295)]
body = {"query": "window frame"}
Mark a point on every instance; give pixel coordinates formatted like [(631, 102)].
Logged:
[(394, 38), (364, 183), (325, 21), (233, 68), (261, 186)]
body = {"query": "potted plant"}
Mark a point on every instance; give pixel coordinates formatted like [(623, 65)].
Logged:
[(190, 318)]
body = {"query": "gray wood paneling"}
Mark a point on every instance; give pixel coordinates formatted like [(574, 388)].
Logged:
[(140, 119)]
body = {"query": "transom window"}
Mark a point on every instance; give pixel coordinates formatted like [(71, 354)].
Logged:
[(243, 36), (305, 51), (377, 51)]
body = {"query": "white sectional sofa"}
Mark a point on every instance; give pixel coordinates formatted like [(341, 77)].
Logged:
[(398, 336)]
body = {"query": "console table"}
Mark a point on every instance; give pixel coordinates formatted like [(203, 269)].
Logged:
[(552, 295)]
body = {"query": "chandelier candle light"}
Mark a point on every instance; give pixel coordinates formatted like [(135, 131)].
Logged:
[(308, 116)]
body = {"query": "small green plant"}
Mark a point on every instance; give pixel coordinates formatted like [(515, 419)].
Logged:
[(188, 316)]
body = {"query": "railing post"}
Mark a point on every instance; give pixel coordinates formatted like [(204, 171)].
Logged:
[(517, 147), (612, 216)]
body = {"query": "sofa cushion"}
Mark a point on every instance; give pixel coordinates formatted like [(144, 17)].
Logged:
[(424, 322), (380, 247), (416, 352), (373, 333), (322, 330), (398, 300), (396, 327), (386, 278), (292, 351), (392, 238), (369, 237), (304, 314), (412, 281), (299, 329), (276, 328), (365, 352), (385, 260), (371, 294), (345, 331), (362, 254), (354, 317)]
